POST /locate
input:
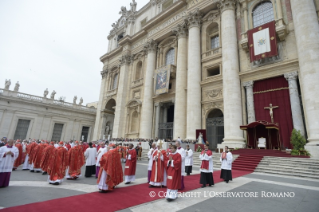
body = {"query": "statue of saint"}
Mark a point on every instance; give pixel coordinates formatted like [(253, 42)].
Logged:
[(45, 93), (7, 84), (200, 139), (16, 88), (74, 99), (81, 101), (53, 94)]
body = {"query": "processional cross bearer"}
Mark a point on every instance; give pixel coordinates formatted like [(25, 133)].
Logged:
[(271, 113)]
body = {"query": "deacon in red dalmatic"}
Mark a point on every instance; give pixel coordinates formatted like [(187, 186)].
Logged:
[(130, 165), (174, 179)]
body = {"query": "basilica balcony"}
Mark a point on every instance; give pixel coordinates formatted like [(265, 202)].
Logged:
[(137, 83), (211, 54), (111, 92)]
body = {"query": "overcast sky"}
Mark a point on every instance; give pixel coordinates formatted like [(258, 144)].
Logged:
[(56, 44)]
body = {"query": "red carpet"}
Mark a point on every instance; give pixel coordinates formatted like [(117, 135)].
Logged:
[(118, 199)]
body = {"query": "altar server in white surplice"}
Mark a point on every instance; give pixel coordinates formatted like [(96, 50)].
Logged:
[(8, 154), (188, 160), (226, 159), (90, 157)]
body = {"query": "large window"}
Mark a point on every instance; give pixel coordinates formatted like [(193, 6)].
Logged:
[(115, 81), (57, 132), (263, 13), (138, 72), (170, 57), (215, 42), (22, 129)]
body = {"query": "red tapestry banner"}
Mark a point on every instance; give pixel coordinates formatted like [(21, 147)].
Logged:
[(262, 41)]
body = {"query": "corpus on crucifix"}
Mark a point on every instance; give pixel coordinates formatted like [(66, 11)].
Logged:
[(271, 113)]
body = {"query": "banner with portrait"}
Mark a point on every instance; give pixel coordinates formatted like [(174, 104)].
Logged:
[(161, 79)]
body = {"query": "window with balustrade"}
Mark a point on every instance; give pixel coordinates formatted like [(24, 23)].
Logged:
[(170, 57), (263, 13)]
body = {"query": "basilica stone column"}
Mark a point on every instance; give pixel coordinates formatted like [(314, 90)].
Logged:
[(157, 116), (119, 119), (147, 107), (193, 75), (98, 118), (307, 34), (295, 102), (250, 101), (231, 83), (181, 83)]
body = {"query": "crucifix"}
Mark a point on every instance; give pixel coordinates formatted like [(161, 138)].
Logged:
[(271, 113)]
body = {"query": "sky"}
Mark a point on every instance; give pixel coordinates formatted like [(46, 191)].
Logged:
[(56, 44)]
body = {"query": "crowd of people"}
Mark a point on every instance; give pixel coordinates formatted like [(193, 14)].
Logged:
[(102, 159)]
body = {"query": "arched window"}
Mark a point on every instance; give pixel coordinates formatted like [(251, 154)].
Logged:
[(138, 72), (134, 122), (170, 57), (215, 42), (115, 81), (263, 13)]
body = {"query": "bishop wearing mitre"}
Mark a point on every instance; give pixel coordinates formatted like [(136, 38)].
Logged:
[(174, 179), (130, 165), (158, 175)]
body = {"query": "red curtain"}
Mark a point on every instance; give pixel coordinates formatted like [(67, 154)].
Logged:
[(280, 98)]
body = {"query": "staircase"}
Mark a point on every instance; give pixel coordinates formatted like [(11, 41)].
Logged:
[(247, 162), (298, 167)]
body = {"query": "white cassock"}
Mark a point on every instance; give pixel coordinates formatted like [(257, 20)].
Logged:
[(208, 158), (227, 164), (189, 158), (56, 145), (7, 161), (182, 152), (72, 144), (26, 165), (99, 155), (90, 154)]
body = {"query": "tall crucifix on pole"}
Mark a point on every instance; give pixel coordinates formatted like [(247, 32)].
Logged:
[(271, 113)]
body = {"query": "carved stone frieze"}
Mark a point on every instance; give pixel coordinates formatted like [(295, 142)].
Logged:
[(213, 94)]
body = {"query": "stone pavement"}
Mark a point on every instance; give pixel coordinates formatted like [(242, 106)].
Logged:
[(26, 187)]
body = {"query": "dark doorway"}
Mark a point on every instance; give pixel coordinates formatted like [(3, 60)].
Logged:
[(215, 128), (85, 133)]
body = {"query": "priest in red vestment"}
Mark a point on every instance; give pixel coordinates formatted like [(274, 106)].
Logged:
[(158, 175), (31, 150), (174, 175), (18, 161), (47, 154), (38, 156), (130, 165), (76, 161), (206, 168), (111, 173), (58, 164)]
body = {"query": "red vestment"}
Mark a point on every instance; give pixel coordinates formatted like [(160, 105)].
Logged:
[(130, 165), (205, 163), (31, 150), (48, 153), (111, 164), (76, 160), (174, 176), (158, 166), (68, 146), (38, 155), (58, 164), (18, 161)]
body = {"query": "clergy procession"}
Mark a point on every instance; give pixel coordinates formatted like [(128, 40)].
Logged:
[(63, 160)]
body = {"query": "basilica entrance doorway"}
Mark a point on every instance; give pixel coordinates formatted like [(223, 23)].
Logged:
[(166, 125), (215, 128)]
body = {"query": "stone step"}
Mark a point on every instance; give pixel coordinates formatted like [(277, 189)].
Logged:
[(289, 164), (287, 173), (294, 169)]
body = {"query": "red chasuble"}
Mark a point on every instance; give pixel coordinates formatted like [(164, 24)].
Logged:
[(38, 155), (130, 165), (111, 163), (31, 150), (76, 160), (18, 161), (174, 176), (205, 163), (158, 167), (58, 164), (48, 152), (68, 146)]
